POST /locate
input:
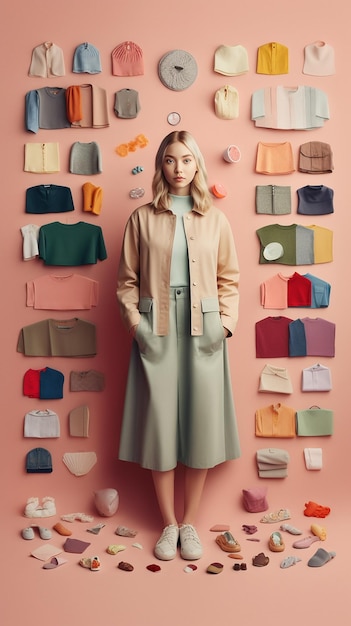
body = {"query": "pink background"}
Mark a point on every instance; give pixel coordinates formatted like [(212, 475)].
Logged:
[(72, 594)]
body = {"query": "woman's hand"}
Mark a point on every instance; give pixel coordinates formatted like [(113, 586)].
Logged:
[(133, 330)]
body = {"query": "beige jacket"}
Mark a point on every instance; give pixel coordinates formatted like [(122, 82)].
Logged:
[(144, 269)]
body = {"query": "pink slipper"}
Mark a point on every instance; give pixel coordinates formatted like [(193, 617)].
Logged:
[(56, 561), (305, 543)]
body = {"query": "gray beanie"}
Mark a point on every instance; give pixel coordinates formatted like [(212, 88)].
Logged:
[(86, 59), (177, 70)]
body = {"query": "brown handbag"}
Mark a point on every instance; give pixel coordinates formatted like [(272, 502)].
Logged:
[(315, 157)]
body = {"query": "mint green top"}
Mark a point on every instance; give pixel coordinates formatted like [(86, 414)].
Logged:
[(179, 262)]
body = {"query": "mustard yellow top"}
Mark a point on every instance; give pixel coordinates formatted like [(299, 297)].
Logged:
[(272, 58)]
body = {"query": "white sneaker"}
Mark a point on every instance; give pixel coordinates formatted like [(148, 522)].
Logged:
[(166, 547), (191, 548)]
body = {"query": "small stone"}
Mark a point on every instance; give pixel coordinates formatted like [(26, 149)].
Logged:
[(235, 555), (190, 568), (215, 568), (115, 548), (153, 567), (123, 531), (126, 567), (219, 528), (137, 545)]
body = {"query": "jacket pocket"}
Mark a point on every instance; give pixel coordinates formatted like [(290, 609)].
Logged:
[(213, 333)]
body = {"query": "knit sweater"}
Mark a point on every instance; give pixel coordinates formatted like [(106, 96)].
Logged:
[(71, 244), (85, 159), (45, 108)]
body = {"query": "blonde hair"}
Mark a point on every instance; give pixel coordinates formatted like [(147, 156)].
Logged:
[(198, 188)]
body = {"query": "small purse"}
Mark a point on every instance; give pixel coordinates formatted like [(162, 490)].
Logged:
[(314, 422), (315, 157), (255, 500)]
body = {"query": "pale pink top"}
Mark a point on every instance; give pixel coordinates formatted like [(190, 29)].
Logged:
[(62, 293), (274, 292)]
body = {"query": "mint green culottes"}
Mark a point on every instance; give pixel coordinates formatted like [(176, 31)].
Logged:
[(178, 404)]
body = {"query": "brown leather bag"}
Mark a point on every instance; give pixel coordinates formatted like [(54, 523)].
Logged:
[(315, 157)]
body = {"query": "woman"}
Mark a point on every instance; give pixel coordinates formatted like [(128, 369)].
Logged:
[(178, 295)]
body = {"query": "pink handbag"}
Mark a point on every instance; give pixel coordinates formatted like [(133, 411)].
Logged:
[(255, 500)]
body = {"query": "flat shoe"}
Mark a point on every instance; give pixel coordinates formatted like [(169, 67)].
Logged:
[(290, 529), (276, 543), (321, 557), (190, 544), (260, 560), (304, 543), (44, 533), (276, 516), (56, 561), (227, 543), (289, 561), (28, 533)]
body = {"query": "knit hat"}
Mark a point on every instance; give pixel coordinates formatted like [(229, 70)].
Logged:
[(92, 198), (319, 59), (47, 61), (227, 103), (272, 58), (231, 60), (177, 70), (86, 59), (39, 461), (127, 60)]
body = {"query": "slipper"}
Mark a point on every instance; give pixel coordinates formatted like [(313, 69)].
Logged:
[(28, 533), (321, 557), (290, 529), (319, 531), (289, 561), (260, 560), (44, 533), (55, 562), (276, 516), (276, 543), (227, 542), (304, 543)]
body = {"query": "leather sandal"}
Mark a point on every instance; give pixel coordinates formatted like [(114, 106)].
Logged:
[(227, 542)]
